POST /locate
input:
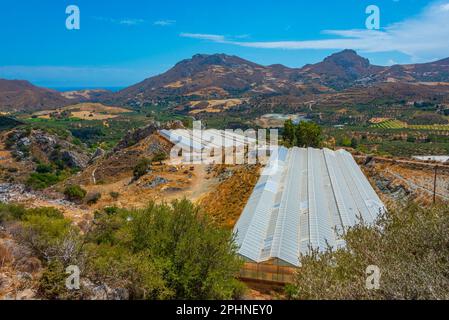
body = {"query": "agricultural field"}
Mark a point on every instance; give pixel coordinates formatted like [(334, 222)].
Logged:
[(397, 124), (85, 111), (442, 127), (390, 124), (213, 106), (104, 133), (98, 125), (389, 141)]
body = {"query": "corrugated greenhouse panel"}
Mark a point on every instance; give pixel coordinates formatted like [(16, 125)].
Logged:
[(304, 198)]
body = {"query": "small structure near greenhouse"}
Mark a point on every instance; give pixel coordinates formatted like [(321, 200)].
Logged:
[(304, 199)]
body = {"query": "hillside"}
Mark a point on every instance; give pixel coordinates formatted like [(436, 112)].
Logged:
[(219, 82), (340, 70), (213, 76), (220, 77), (19, 95)]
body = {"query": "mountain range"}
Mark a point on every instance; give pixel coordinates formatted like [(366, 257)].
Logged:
[(220, 76)]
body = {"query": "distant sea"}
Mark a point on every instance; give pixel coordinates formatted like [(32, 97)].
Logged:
[(65, 89)]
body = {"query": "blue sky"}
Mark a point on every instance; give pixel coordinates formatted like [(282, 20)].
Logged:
[(123, 42)]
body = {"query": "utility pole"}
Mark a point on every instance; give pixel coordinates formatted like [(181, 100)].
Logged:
[(435, 185)]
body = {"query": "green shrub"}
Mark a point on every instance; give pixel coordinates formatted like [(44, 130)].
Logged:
[(160, 252), (345, 142), (48, 212), (159, 157), (304, 134), (51, 236), (409, 245), (119, 267), (75, 193), (52, 282), (18, 212), (39, 181), (44, 168), (111, 210), (142, 168), (11, 212), (196, 259), (114, 195), (93, 198)]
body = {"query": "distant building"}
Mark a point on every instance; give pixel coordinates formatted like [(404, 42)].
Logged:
[(443, 159), (304, 198)]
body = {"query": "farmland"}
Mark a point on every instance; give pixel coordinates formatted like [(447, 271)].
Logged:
[(396, 124)]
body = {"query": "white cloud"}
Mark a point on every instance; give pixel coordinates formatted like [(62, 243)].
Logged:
[(391, 62), (445, 7), (122, 21), (421, 37), (164, 23), (211, 37), (131, 22)]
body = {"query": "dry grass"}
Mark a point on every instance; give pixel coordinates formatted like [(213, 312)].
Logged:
[(214, 106), (88, 115), (86, 111), (5, 256), (174, 85), (226, 203)]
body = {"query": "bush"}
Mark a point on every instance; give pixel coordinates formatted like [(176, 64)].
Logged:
[(111, 210), (305, 134), (46, 212), (120, 268), (39, 181), (44, 168), (75, 193), (160, 252), (52, 285), (114, 195), (11, 212), (159, 157), (345, 142), (409, 245), (52, 282), (142, 168), (50, 235), (195, 259), (93, 198)]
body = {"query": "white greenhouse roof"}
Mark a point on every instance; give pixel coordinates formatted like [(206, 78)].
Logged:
[(304, 198), (208, 139)]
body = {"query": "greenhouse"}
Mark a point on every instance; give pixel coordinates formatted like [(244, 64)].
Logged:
[(304, 199)]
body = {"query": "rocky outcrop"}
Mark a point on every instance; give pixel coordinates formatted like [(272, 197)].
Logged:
[(26, 144), (98, 154), (133, 137), (75, 159), (13, 192), (155, 182)]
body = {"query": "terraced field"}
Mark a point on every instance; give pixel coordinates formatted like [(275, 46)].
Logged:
[(391, 124), (396, 124), (442, 127)]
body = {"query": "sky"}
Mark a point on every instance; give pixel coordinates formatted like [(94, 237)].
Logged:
[(120, 43)]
